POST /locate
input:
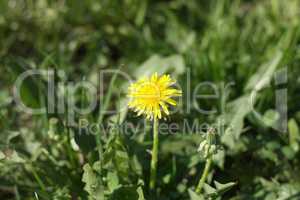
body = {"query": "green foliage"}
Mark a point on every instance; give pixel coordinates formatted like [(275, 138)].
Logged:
[(92, 183), (240, 41)]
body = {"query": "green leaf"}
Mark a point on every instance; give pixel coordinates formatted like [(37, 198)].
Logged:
[(238, 110), (141, 193), (13, 157), (93, 184), (7, 136), (209, 190), (127, 193), (270, 117), (263, 76), (112, 181), (194, 196), (222, 188), (161, 65), (116, 158)]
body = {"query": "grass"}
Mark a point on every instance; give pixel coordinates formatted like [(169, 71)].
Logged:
[(236, 45)]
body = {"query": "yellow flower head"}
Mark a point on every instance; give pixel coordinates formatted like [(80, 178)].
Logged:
[(152, 96)]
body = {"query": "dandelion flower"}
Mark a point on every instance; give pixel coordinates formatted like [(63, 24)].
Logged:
[(152, 96)]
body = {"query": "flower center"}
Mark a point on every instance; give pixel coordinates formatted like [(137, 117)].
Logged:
[(149, 93)]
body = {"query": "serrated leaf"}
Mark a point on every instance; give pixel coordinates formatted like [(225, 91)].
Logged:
[(93, 184), (116, 158), (112, 181)]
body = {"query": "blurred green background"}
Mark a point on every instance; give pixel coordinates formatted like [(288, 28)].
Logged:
[(222, 41)]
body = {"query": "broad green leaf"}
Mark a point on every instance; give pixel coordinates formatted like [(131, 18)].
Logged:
[(93, 184), (116, 158), (112, 181), (238, 110), (194, 196), (270, 117), (243, 105)]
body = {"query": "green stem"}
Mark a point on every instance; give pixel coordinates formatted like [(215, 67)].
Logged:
[(38, 179), (154, 159), (99, 147), (204, 175)]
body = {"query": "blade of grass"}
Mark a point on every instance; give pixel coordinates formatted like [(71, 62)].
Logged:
[(102, 112), (17, 194), (38, 179)]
